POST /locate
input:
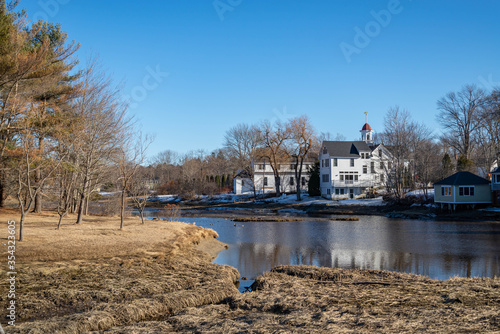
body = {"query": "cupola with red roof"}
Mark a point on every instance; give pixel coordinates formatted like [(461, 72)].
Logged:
[(367, 132), (366, 127)]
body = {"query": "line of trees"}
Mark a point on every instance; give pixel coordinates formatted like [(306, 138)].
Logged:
[(470, 118), (278, 143), (470, 141), (63, 132)]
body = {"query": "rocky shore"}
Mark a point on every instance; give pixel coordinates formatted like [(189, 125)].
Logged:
[(158, 278)]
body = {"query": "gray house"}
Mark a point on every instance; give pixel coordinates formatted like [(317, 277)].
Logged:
[(462, 188)]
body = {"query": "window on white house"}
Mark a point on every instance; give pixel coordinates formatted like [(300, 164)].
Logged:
[(325, 178), (303, 180), (339, 191), (335, 163), (382, 165), (365, 169), (291, 180), (265, 180), (382, 178), (380, 153), (362, 155), (372, 165), (356, 177), (341, 177), (352, 162), (466, 191), (261, 166), (445, 191)]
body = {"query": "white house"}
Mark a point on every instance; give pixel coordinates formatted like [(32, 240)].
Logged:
[(350, 168), (264, 182)]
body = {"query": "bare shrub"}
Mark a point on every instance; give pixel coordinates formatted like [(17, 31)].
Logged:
[(171, 212), (110, 206)]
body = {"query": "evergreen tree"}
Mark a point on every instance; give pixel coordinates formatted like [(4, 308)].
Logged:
[(464, 164), (447, 165), (313, 187)]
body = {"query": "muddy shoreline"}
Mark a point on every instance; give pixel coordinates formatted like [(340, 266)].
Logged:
[(232, 210)]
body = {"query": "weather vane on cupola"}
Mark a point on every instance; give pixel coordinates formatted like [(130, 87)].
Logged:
[(366, 116)]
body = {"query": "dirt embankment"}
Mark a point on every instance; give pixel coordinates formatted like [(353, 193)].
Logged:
[(94, 278)]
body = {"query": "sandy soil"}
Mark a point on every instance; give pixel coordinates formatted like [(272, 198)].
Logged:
[(158, 278)]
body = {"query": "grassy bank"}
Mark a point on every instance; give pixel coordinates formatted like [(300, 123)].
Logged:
[(158, 278), (93, 276)]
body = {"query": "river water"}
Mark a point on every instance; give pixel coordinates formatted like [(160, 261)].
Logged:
[(438, 250)]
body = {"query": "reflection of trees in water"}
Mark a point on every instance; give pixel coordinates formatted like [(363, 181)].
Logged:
[(256, 258), (435, 249)]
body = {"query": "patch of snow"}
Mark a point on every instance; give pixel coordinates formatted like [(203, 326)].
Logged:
[(106, 193), (420, 193), (490, 209), (378, 201)]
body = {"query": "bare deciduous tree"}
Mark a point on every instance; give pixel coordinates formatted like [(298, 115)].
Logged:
[(130, 156), (103, 122), (274, 148), (459, 114), (303, 140), (242, 142)]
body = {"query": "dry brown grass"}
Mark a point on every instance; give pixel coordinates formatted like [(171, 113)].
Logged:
[(149, 278), (96, 238), (304, 299), (94, 276)]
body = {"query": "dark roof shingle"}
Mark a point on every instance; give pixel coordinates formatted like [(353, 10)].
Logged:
[(345, 149), (463, 178)]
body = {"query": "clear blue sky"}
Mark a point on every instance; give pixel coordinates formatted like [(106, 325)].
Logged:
[(250, 60)]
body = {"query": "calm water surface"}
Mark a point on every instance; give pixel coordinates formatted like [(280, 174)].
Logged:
[(438, 250)]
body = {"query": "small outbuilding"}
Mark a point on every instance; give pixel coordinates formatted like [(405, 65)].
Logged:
[(462, 188)]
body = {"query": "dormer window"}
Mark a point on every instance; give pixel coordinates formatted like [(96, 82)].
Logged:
[(325, 151)]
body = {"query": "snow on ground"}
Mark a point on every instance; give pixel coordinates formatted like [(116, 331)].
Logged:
[(420, 193), (107, 193), (378, 201), (284, 199), (306, 199), (490, 209)]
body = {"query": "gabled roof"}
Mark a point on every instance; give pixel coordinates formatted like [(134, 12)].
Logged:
[(345, 149), (463, 179)]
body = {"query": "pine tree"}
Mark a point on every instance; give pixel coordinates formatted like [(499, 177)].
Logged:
[(313, 187)]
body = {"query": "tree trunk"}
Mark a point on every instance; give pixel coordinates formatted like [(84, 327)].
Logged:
[(277, 182), (21, 226), (142, 215), (80, 208), (122, 209), (60, 221), (38, 176), (2, 190)]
